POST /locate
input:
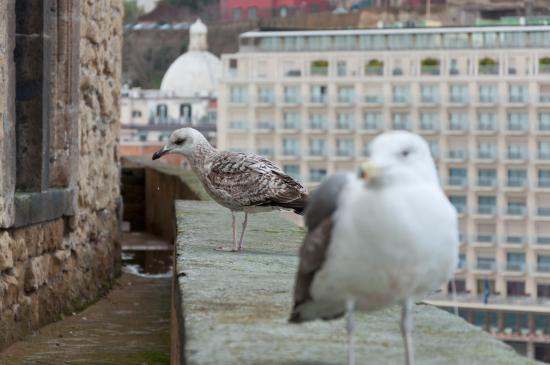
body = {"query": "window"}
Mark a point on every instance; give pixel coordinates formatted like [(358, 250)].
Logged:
[(484, 40), (372, 120), (539, 39), (517, 93), (487, 121), (515, 288), (401, 93), (488, 93), (458, 121), (544, 150), (458, 93), (399, 41), (233, 67), (319, 94), (374, 67), (238, 94), (236, 14), (318, 121), (136, 114), (186, 112), (488, 66), (429, 121), (291, 120), (283, 12), (428, 41), (485, 263), (486, 204), (341, 69), (517, 121), (344, 120), (513, 39), (487, 150), (487, 177), (346, 42), (317, 147), (400, 121), (544, 121), (292, 170), (317, 174), (265, 94), (543, 178), (459, 202), (543, 290), (516, 207), (373, 42), (291, 94), (516, 151), (291, 147), (162, 112), (252, 13), (543, 263), (517, 178), (515, 261), (345, 147), (460, 284), (430, 66), (484, 286), (455, 40), (429, 93), (457, 176), (346, 94)]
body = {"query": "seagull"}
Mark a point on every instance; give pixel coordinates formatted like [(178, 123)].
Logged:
[(388, 237), (238, 181)]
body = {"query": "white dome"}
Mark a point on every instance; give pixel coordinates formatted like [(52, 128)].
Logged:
[(196, 72)]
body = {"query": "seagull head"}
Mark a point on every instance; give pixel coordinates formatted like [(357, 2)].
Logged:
[(399, 157), (182, 141)]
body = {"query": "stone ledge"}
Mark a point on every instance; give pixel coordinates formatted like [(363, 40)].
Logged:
[(33, 208), (232, 308)]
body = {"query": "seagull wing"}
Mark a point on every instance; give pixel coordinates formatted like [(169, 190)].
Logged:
[(252, 180), (319, 220)]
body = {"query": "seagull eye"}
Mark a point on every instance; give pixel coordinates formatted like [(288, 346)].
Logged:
[(180, 141), (405, 153)]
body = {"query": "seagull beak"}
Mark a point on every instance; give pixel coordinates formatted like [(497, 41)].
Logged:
[(370, 170), (164, 150)]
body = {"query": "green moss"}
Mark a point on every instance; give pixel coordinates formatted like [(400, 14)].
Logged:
[(151, 358)]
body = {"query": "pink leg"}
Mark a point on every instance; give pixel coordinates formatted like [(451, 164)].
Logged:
[(235, 247), (242, 233)]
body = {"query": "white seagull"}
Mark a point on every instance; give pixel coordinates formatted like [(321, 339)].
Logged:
[(237, 181), (390, 238)]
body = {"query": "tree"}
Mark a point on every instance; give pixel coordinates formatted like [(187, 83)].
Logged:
[(131, 11)]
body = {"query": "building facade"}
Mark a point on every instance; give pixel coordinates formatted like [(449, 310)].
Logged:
[(60, 67), (313, 100), (187, 97)]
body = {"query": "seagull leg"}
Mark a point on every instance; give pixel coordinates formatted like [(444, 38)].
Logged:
[(350, 327), (406, 330), (242, 233), (234, 248)]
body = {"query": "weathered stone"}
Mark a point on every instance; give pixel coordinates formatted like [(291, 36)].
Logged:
[(6, 257), (38, 270), (19, 249)]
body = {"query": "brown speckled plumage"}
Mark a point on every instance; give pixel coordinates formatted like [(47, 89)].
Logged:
[(246, 182)]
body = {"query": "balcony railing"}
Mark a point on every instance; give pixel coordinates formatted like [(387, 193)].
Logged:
[(543, 240), (544, 98), (489, 99), (429, 99), (486, 209), (487, 155), (291, 125), (487, 126), (516, 210), (543, 267), (518, 99), (429, 126), (374, 70), (516, 155), (544, 155), (371, 125), (488, 69), (344, 99), (543, 211), (401, 99), (457, 180), (401, 125), (265, 125), (266, 99), (291, 152), (291, 99), (318, 125), (345, 153), (516, 239), (266, 152), (517, 182), (430, 70), (457, 154), (518, 127), (318, 152), (460, 208), (373, 99), (487, 181), (543, 183), (458, 99), (486, 265), (319, 99), (458, 126), (515, 266)]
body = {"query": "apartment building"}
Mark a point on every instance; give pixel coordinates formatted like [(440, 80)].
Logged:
[(480, 96)]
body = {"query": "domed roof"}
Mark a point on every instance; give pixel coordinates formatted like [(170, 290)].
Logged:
[(196, 72)]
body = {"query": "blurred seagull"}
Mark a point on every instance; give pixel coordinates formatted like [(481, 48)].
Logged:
[(370, 244), (237, 181)]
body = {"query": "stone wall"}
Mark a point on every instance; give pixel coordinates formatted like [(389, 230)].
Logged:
[(63, 264)]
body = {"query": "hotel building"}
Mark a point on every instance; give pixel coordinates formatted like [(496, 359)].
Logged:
[(480, 96)]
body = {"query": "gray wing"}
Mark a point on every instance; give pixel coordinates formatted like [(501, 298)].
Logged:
[(251, 180), (323, 201)]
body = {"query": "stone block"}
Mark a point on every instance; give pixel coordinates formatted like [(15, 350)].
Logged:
[(37, 273), (6, 257)]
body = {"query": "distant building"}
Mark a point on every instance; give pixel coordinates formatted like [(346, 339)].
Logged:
[(246, 9), (313, 100), (187, 97)]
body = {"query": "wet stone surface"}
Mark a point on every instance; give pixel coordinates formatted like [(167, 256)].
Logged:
[(236, 305)]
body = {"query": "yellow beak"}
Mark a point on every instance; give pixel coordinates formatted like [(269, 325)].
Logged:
[(370, 170)]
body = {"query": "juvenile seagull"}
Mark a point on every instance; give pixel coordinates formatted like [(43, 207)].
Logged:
[(370, 244), (237, 181)]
